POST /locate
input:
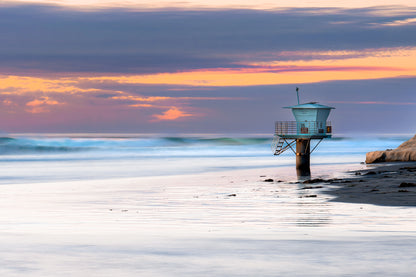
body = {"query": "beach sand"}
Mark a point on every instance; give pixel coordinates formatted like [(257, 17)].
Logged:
[(232, 223)]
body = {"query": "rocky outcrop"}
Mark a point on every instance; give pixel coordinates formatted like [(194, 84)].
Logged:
[(406, 152)]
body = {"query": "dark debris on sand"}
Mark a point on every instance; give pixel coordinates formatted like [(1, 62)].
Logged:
[(386, 185), (407, 185)]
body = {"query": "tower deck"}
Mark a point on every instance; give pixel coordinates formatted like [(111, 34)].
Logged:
[(303, 130)]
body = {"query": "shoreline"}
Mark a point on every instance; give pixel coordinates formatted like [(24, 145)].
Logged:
[(388, 184)]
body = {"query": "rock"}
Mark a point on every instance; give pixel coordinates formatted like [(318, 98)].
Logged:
[(310, 187), (371, 173), (375, 157), (409, 144), (313, 181), (391, 156), (406, 152), (407, 185)]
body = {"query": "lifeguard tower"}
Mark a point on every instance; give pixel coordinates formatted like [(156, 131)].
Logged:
[(311, 124)]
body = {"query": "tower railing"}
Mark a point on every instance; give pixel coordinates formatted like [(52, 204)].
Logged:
[(303, 129)]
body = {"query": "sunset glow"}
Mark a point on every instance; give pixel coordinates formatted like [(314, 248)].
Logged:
[(193, 61), (327, 66), (389, 63)]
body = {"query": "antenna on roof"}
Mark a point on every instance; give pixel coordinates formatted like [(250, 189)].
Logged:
[(297, 93)]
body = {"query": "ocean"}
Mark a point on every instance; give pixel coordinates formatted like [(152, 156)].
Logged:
[(52, 157)]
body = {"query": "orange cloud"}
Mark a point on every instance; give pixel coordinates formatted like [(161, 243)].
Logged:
[(40, 105), (44, 101), (142, 99), (172, 114), (305, 67), (142, 106), (7, 102), (24, 84), (401, 62)]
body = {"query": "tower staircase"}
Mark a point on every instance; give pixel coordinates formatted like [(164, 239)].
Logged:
[(279, 145)]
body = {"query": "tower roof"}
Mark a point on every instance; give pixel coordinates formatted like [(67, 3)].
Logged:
[(310, 105)]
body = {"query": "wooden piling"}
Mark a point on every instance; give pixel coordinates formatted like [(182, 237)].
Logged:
[(303, 154)]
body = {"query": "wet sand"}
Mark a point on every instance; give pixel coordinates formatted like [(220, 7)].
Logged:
[(392, 184), (230, 223)]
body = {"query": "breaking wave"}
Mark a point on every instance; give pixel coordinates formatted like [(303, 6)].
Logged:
[(9, 145), (177, 146), (16, 146)]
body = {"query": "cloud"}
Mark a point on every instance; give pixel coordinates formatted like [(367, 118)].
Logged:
[(172, 114), (84, 112), (119, 69), (400, 22), (142, 105), (41, 105), (308, 55), (165, 98), (396, 62), (24, 84), (43, 101), (7, 102), (45, 40), (142, 99), (137, 89), (213, 4)]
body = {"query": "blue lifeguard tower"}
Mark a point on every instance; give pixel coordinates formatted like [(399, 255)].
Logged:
[(311, 124)]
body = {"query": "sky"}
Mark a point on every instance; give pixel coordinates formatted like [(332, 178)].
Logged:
[(205, 66)]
